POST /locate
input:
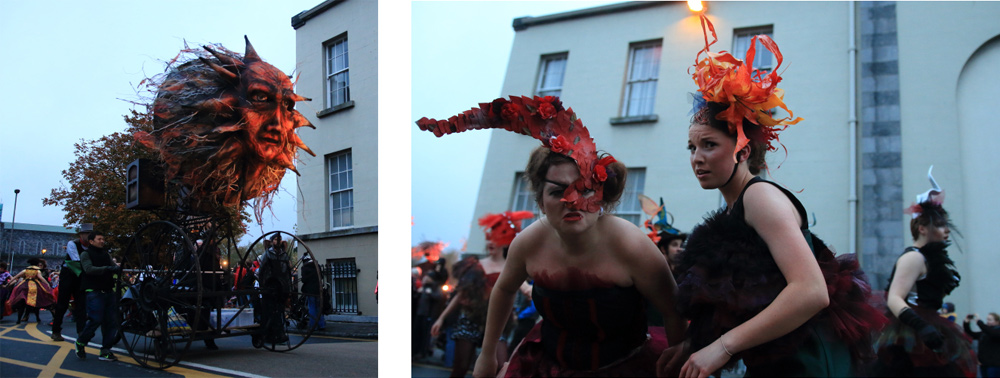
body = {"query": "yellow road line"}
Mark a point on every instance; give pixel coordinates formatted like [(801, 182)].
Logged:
[(66, 348), (71, 373), (8, 329)]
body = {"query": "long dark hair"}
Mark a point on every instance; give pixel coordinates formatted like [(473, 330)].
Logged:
[(472, 287)]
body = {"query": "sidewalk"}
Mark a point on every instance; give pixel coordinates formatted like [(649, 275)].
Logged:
[(350, 329)]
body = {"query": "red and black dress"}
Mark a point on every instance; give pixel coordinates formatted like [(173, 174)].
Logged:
[(728, 276), (592, 332)]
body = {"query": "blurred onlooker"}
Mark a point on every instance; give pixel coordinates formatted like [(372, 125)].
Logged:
[(989, 342), (947, 311), (5, 277), (429, 306)]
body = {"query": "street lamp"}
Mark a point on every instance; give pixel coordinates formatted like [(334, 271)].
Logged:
[(13, 217), (696, 6)]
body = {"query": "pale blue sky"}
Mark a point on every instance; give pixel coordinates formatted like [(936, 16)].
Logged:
[(460, 52), (67, 68)]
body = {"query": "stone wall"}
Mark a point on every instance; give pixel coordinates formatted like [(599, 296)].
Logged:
[(881, 148)]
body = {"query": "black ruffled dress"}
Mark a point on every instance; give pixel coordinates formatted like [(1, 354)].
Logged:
[(901, 352), (729, 276)]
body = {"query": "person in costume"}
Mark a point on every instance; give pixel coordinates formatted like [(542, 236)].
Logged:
[(69, 285), (667, 238), (5, 278), (756, 284), (30, 291), (989, 342), (476, 281), (98, 281), (919, 342), (593, 272)]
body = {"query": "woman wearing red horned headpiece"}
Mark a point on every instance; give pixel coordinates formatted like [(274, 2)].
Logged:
[(593, 272), (755, 282)]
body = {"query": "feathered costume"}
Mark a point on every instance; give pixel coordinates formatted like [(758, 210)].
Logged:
[(901, 350), (728, 274)]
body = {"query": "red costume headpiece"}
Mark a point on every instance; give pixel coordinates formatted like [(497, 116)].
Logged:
[(545, 119), (501, 228), (750, 93)]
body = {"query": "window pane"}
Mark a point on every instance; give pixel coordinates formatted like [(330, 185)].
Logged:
[(763, 59), (640, 91)]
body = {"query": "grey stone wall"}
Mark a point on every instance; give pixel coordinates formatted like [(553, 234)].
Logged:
[(27, 243), (882, 238)]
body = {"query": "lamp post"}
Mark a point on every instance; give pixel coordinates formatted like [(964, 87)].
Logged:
[(13, 217)]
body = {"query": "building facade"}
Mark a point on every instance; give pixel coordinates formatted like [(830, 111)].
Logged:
[(21, 241), (337, 63), (886, 89)]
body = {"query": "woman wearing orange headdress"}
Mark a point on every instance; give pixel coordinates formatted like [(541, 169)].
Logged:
[(755, 282), (593, 272)]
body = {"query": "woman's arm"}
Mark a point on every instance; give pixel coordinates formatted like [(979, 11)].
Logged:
[(968, 329), (992, 331), (13, 280), (651, 275), (452, 305), (776, 220), (908, 268), (501, 304)]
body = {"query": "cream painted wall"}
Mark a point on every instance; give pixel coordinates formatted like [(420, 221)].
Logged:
[(813, 38), (946, 89), (355, 128), (366, 262)]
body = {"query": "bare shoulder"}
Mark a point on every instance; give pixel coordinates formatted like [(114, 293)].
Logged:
[(527, 242), (911, 259), (765, 202)]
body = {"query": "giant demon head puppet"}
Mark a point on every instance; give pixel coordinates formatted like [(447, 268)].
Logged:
[(225, 127)]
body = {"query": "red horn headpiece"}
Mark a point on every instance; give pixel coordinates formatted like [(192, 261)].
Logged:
[(545, 119)]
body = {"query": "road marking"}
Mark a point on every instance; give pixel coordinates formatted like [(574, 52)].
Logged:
[(71, 373), (57, 360), (342, 338)]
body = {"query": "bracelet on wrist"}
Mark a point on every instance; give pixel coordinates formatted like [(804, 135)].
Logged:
[(724, 346)]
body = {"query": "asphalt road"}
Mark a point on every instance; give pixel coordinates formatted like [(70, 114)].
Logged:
[(26, 350)]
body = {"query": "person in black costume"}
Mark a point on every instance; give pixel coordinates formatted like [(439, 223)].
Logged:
[(989, 343), (275, 277), (69, 285), (919, 342)]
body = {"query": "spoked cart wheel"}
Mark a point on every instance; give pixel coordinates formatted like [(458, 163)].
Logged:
[(161, 275), (279, 303)]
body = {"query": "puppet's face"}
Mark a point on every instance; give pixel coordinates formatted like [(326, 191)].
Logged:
[(269, 115), (225, 126)]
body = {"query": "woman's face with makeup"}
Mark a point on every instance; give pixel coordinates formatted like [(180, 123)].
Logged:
[(561, 217)]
